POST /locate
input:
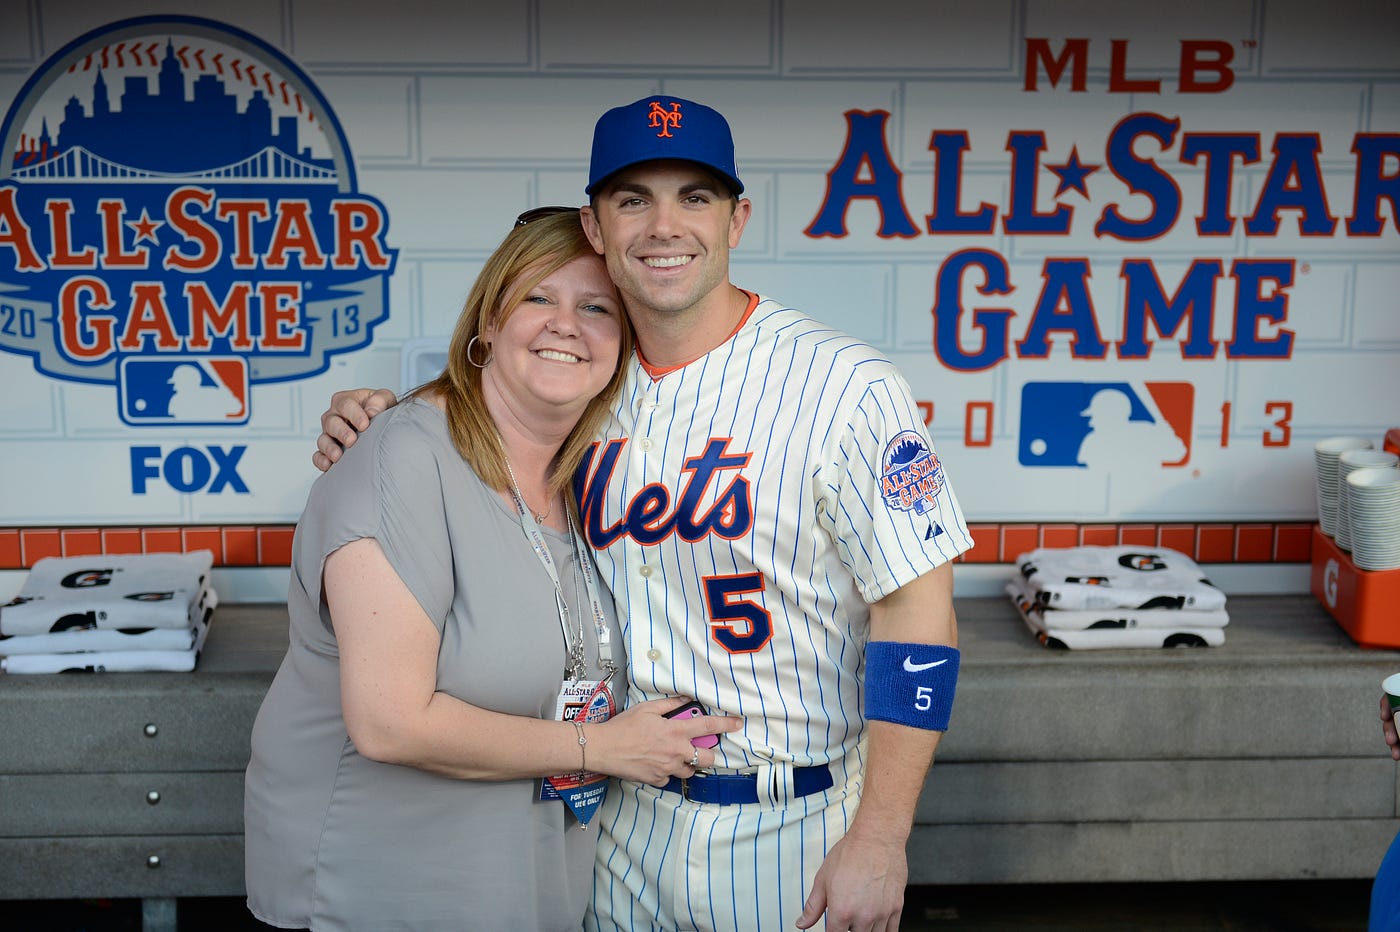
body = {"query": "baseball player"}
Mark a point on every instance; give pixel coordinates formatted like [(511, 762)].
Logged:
[(777, 531)]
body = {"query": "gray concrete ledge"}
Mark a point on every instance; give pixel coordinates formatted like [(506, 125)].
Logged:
[(1258, 760), (1261, 759)]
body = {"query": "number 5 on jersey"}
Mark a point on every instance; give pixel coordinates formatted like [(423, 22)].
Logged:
[(740, 626)]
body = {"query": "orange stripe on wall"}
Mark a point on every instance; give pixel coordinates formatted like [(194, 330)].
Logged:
[(270, 545)]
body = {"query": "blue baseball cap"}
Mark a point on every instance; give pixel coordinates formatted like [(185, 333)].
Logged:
[(662, 128)]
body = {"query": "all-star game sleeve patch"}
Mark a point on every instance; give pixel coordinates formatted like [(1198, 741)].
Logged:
[(910, 474)]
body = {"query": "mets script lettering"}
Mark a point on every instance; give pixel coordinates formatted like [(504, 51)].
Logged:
[(647, 518)]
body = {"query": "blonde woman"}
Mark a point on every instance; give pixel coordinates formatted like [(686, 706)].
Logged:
[(454, 664)]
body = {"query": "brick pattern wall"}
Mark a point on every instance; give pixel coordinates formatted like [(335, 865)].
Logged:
[(270, 545)]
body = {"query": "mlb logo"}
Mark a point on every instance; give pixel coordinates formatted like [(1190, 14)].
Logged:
[(183, 391), (1106, 425)]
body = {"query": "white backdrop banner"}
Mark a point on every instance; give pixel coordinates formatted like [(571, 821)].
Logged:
[(1135, 263)]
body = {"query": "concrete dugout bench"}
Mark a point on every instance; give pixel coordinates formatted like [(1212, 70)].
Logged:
[(1261, 759)]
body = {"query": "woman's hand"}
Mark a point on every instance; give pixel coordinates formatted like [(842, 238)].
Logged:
[(642, 744)]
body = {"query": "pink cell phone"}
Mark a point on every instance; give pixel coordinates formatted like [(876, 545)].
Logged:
[(694, 709)]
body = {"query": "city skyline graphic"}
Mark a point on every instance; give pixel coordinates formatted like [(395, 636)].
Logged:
[(224, 124)]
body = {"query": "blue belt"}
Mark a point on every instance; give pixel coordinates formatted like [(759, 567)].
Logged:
[(726, 788)]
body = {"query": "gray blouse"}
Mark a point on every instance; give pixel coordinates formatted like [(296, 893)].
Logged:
[(337, 841)]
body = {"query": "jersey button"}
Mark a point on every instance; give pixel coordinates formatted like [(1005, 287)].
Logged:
[(644, 445), (644, 570), (653, 655)]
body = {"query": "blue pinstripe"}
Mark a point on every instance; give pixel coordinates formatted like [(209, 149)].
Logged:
[(814, 408)]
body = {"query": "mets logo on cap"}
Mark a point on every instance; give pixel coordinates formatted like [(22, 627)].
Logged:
[(911, 475), (658, 117), (179, 218)]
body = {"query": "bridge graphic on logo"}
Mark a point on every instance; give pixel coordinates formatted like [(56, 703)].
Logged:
[(182, 221), (269, 166)]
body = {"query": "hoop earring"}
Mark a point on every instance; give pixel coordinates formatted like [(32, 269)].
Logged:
[(490, 353)]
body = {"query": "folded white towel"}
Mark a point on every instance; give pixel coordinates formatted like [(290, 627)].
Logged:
[(1103, 618), (1133, 638), (1112, 638), (1117, 577), (115, 639), (153, 590), (112, 661)]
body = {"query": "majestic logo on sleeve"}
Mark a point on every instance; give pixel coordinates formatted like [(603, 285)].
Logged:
[(179, 218), (910, 474)]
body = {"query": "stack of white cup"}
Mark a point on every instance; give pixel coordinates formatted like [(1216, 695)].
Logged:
[(1347, 463), (1373, 510), (1326, 460)]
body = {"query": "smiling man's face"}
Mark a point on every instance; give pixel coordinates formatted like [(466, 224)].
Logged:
[(665, 230)]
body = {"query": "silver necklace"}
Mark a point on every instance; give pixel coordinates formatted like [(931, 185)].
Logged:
[(538, 515)]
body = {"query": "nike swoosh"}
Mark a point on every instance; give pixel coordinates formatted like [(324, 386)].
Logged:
[(913, 667)]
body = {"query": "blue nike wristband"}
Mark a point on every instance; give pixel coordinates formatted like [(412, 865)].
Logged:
[(910, 684)]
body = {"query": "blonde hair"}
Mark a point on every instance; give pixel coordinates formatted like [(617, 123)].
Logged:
[(530, 253)]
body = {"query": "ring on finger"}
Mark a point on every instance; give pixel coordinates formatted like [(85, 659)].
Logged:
[(695, 757)]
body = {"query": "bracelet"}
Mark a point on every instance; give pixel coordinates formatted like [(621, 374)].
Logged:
[(582, 748)]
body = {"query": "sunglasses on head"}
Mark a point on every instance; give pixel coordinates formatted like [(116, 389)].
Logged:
[(537, 213)]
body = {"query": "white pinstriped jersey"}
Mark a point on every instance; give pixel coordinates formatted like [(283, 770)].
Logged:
[(745, 508)]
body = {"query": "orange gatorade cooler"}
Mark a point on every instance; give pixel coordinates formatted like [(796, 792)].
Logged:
[(1362, 601)]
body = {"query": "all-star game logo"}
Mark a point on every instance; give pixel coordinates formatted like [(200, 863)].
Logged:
[(179, 218), (910, 474)]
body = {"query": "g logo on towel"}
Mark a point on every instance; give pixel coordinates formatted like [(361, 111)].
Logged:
[(87, 579)]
